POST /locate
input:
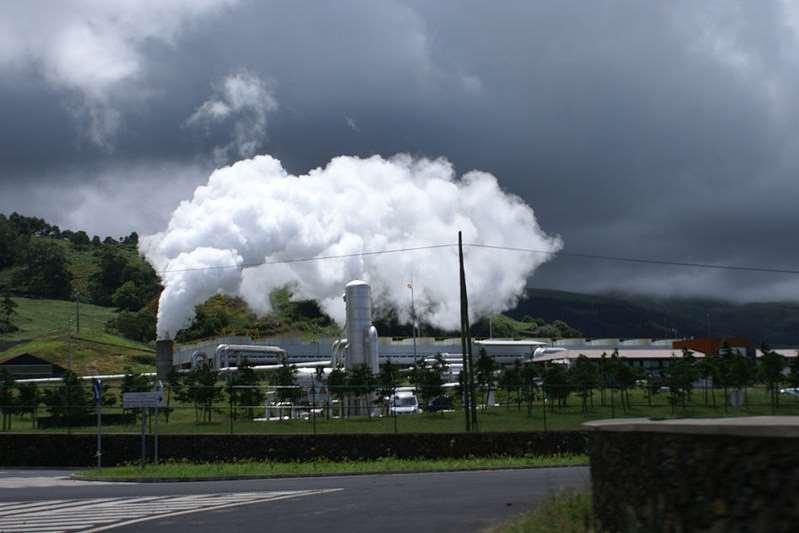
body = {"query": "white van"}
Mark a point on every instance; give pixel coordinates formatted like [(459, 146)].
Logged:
[(403, 403)]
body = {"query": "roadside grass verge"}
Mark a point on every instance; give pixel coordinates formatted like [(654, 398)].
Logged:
[(566, 512), (245, 469)]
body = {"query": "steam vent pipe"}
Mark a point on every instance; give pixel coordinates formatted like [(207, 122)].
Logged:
[(163, 358), (361, 340)]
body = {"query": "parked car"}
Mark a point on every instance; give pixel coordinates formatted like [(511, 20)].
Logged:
[(403, 403), (439, 403), (791, 391)]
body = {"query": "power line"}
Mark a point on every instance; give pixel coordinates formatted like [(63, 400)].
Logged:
[(640, 260), (550, 253), (314, 258)]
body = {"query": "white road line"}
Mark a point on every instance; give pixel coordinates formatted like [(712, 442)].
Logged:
[(53, 505), (284, 496), (101, 514)]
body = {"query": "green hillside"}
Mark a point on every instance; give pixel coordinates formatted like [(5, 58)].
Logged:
[(48, 330)]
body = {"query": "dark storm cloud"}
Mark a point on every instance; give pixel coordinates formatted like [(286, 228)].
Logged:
[(659, 130)]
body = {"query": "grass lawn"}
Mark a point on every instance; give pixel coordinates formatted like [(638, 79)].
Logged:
[(568, 512), (184, 470), (182, 419), (44, 329)]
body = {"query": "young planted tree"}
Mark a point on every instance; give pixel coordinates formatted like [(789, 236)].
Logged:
[(387, 381), (70, 403), (529, 375), (584, 378), (28, 400), (243, 389), (485, 374), (285, 379), (771, 366), (708, 370), (679, 377), (135, 382), (8, 404), (428, 378), (337, 385), (202, 390), (556, 384), (361, 384), (510, 380)]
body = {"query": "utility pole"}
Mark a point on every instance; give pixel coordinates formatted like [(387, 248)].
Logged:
[(413, 319), (77, 312), (466, 338)]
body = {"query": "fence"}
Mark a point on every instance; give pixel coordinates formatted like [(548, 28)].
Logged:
[(267, 409)]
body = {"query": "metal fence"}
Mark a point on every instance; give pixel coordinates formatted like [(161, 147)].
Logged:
[(303, 409)]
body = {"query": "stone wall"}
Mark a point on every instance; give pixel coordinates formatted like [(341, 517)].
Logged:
[(696, 475)]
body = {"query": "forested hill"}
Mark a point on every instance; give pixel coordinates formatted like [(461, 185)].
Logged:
[(629, 316), (39, 260)]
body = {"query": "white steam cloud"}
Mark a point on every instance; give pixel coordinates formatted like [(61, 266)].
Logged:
[(242, 99), (254, 212)]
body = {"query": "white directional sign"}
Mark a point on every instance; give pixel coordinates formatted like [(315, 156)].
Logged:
[(134, 400)]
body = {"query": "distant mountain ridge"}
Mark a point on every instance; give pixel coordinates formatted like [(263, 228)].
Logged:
[(637, 316)]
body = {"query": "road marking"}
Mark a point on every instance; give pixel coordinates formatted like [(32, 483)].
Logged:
[(102, 514), (24, 482)]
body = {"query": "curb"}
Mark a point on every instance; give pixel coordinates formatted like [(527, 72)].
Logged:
[(133, 479)]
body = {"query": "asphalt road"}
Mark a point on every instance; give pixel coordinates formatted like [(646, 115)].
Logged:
[(44, 500)]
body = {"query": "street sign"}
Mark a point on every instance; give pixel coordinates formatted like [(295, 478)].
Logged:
[(97, 391), (134, 400)]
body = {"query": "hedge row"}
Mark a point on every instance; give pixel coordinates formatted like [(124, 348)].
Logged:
[(20, 449), (670, 482)]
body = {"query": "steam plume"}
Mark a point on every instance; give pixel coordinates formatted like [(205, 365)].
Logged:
[(255, 212)]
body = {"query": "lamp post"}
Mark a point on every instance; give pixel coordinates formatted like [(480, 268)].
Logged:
[(413, 319)]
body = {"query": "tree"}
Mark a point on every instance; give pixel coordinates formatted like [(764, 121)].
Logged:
[(428, 378), (510, 380), (387, 380), (708, 370), (584, 377), (771, 366), (7, 400), (243, 389), (10, 243), (7, 311), (202, 390), (793, 374), (44, 270), (70, 402), (679, 377), (486, 366), (28, 400), (529, 375), (337, 385), (285, 379), (129, 296), (362, 384), (138, 326), (556, 383)]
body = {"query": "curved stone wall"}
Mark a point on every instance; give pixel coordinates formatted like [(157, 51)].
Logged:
[(733, 474)]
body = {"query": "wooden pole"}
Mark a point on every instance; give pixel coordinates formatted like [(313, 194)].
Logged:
[(464, 356), (467, 337)]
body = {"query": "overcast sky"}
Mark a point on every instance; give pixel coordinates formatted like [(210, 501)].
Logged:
[(648, 129)]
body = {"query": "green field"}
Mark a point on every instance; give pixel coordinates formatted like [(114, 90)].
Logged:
[(504, 418), (185, 470), (48, 329)]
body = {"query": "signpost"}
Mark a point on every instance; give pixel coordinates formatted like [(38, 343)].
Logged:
[(145, 400), (97, 392)]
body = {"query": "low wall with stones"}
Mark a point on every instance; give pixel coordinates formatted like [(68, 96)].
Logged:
[(731, 474)]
